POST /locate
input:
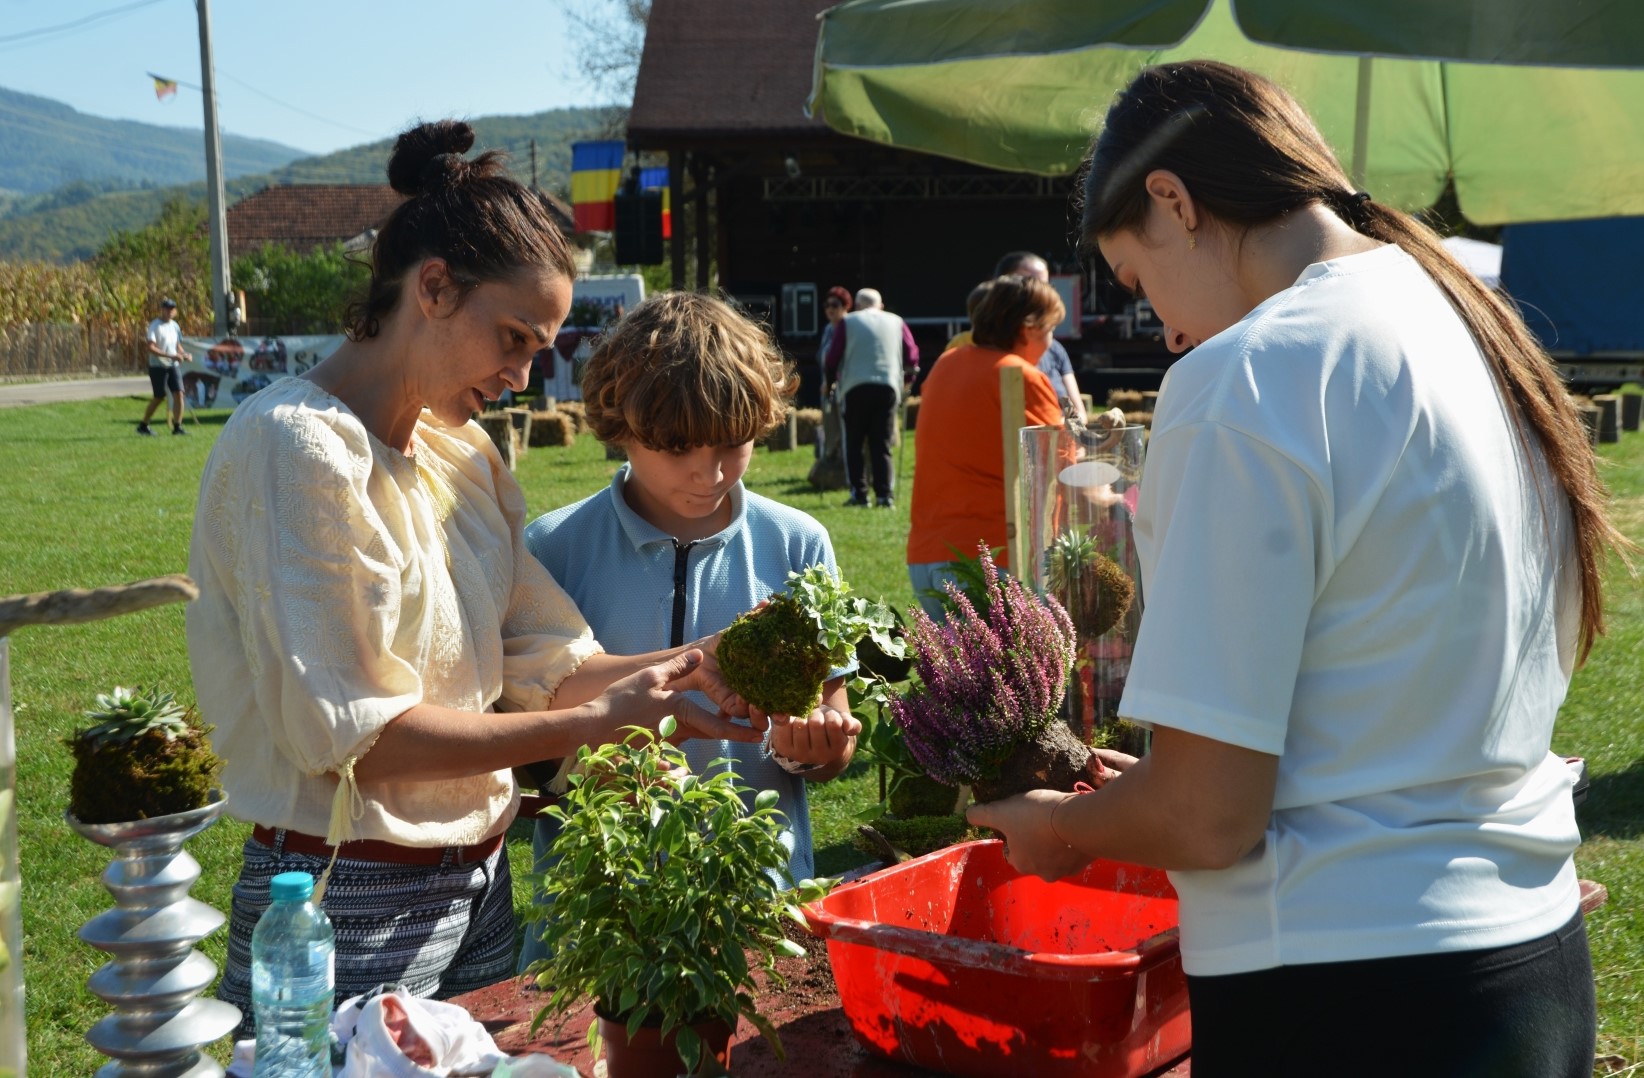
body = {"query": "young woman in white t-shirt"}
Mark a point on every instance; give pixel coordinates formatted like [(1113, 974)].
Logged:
[(1371, 532)]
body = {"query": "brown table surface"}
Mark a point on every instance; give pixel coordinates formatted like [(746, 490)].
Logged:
[(815, 1033)]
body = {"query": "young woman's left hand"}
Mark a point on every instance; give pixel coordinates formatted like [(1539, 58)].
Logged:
[(1031, 846)]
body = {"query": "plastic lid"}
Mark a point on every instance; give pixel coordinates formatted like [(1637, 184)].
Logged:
[(291, 886)]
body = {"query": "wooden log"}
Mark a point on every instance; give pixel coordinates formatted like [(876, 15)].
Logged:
[(81, 604), (1609, 417), (521, 418), (1012, 418), (1590, 415), (1631, 405), (785, 436), (501, 429)]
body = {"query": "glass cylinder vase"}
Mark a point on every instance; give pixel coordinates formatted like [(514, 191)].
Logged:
[(1076, 542)]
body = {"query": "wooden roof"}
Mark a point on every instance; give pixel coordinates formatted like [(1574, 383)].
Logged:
[(305, 216), (726, 68)]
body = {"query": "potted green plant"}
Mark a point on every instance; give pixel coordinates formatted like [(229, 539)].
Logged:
[(663, 902), (778, 656)]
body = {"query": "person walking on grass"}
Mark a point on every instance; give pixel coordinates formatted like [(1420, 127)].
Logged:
[(165, 350), (869, 361)]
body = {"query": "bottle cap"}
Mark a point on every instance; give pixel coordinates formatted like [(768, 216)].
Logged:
[(289, 886)]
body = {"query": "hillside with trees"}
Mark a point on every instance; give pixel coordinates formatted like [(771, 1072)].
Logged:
[(75, 220), (46, 145)]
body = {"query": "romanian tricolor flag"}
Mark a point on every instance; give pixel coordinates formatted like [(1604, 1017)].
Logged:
[(163, 88), (596, 169), (656, 179)]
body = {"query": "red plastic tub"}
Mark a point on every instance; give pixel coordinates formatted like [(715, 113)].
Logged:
[(955, 962)]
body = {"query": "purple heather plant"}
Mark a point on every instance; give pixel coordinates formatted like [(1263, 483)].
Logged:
[(987, 684)]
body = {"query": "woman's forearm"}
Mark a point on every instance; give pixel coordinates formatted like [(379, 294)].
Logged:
[(427, 743), (596, 672)]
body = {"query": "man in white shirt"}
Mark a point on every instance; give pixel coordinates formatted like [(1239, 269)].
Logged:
[(165, 351)]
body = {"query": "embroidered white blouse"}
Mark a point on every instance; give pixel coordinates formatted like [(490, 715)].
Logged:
[(342, 582)]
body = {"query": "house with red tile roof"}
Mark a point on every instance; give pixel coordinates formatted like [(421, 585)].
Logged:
[(305, 216)]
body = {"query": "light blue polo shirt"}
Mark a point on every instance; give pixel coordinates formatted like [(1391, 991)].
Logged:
[(631, 580)]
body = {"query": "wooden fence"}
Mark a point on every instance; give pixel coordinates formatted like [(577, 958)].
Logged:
[(58, 350)]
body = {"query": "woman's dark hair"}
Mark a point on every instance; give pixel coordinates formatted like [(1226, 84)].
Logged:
[(1248, 154), (1011, 304), (485, 224)]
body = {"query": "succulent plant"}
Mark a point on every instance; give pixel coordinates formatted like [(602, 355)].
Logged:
[(144, 757), (1093, 587), (778, 657), (125, 714)]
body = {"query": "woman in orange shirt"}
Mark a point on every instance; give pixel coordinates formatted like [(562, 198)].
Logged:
[(959, 459)]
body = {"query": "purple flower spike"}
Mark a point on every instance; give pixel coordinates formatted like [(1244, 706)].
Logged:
[(985, 684)]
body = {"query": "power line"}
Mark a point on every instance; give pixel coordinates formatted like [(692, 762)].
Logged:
[(77, 24), (294, 108)]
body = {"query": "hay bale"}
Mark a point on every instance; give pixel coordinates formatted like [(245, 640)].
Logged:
[(1592, 416), (1150, 399), (578, 413), (806, 421), (912, 411), (553, 428), (1139, 419), (1126, 400)]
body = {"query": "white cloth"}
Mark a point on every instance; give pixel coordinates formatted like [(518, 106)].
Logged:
[(341, 582), (167, 336), (873, 351), (1347, 564), (457, 1044)]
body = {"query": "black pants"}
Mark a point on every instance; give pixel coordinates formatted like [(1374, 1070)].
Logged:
[(1524, 1011), (870, 415)]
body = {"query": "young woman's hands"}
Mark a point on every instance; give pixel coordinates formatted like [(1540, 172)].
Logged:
[(1031, 844), (823, 737)]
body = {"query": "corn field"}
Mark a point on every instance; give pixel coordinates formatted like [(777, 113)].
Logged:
[(78, 319)]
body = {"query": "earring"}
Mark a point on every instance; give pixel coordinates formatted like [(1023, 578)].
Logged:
[(1192, 240)]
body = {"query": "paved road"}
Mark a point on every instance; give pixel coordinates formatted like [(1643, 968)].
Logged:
[(80, 389)]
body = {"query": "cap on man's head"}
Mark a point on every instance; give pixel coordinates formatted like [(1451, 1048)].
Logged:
[(869, 297), (168, 303)]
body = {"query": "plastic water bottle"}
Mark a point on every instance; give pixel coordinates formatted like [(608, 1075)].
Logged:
[(293, 981)]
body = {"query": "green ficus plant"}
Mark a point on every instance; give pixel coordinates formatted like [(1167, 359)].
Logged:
[(143, 757), (664, 897), (778, 656)]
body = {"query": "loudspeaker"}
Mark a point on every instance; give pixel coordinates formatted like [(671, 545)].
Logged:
[(639, 228)]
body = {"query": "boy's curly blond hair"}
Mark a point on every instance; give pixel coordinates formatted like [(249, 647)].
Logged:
[(684, 370)]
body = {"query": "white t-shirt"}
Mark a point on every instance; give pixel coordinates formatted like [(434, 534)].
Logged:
[(1346, 564), (165, 333)]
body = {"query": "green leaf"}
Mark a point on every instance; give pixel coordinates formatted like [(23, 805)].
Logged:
[(766, 799), (668, 726)]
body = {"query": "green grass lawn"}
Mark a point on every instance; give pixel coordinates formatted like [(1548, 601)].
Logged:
[(86, 504)]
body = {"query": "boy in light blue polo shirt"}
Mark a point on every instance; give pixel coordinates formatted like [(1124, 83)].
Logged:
[(676, 549)]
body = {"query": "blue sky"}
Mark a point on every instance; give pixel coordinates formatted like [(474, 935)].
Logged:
[(318, 75)]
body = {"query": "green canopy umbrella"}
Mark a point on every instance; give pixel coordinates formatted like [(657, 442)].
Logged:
[(1432, 89)]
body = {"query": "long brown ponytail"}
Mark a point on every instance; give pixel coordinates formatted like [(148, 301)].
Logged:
[(1249, 153)]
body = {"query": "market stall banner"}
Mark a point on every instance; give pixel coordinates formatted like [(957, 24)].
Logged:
[(231, 369)]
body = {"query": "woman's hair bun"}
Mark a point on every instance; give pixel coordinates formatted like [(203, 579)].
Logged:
[(428, 157)]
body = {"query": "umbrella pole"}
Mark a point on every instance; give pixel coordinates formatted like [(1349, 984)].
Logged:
[(1361, 126)]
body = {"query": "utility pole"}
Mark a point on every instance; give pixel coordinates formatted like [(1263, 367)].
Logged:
[(533, 164), (216, 208)]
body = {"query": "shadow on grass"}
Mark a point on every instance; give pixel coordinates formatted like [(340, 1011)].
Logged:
[(1615, 804)]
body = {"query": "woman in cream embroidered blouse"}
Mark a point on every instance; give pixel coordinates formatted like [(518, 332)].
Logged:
[(373, 642)]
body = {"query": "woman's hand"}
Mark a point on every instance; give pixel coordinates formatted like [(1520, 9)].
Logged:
[(1031, 846), (646, 697)]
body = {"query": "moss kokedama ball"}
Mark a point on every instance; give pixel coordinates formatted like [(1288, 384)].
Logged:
[(770, 657), (152, 775), (1105, 594)]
